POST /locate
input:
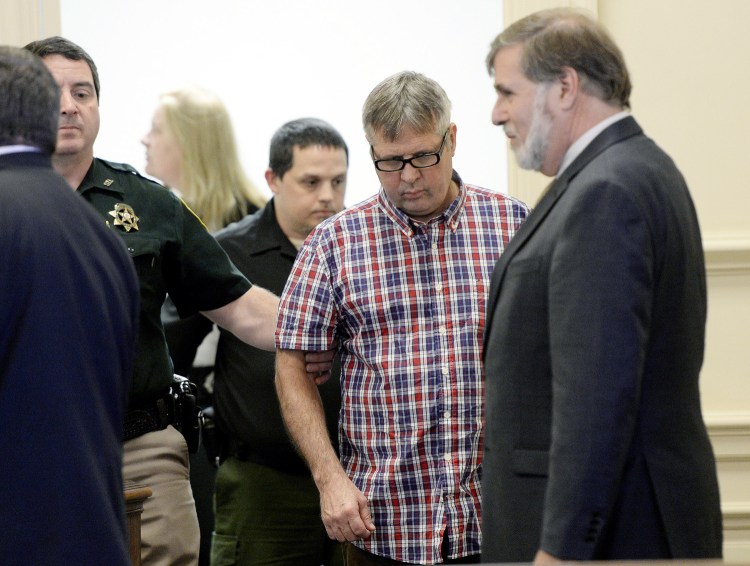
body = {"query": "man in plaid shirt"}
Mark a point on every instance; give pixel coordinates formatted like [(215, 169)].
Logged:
[(398, 283)]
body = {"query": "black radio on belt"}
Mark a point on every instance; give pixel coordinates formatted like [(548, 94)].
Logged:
[(187, 416)]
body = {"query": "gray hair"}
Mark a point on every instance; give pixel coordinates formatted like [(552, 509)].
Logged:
[(566, 37), (406, 100)]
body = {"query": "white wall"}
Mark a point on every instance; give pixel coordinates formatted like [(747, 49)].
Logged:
[(274, 61)]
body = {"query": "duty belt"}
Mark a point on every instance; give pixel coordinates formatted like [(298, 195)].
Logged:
[(140, 421)]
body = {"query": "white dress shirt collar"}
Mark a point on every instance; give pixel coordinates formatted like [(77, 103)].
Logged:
[(6, 149), (581, 143)]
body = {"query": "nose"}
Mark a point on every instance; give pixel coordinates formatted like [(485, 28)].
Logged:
[(67, 103), (325, 194), (499, 112), (145, 139), (409, 173)]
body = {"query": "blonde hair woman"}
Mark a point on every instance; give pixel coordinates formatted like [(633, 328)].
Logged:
[(191, 148)]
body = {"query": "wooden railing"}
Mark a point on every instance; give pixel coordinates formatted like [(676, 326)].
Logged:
[(135, 495)]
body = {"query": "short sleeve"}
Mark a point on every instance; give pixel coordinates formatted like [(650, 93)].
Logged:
[(199, 274), (306, 311)]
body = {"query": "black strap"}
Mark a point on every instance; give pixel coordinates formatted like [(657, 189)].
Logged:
[(141, 421)]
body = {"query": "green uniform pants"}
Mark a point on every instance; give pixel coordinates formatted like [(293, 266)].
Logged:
[(264, 517)]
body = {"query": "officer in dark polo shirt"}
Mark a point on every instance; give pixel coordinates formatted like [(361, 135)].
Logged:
[(267, 505), (173, 253)]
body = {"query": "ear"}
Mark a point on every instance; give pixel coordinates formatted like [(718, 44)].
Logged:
[(569, 82), (452, 135), (272, 179)]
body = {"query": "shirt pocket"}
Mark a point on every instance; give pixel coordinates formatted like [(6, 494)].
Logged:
[(524, 266), (145, 252)]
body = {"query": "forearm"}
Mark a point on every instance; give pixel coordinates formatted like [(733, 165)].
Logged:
[(302, 410), (343, 508), (251, 317)]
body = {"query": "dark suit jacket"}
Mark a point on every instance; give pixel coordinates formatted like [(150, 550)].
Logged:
[(595, 446), (68, 325)]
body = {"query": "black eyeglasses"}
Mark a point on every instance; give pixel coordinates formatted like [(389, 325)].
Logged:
[(418, 161)]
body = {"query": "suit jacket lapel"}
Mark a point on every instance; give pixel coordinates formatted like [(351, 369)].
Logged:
[(615, 133), (552, 193)]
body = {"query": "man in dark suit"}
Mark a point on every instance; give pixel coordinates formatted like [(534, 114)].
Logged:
[(595, 446)]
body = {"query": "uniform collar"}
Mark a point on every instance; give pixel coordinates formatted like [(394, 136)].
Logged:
[(100, 177), (450, 216)]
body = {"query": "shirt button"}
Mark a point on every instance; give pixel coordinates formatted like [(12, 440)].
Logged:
[(434, 246), (438, 286), (443, 331), (445, 370), (447, 415), (447, 458)]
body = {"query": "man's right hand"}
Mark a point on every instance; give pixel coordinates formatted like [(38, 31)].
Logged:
[(344, 509), (318, 365)]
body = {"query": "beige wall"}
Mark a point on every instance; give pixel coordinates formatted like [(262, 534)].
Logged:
[(22, 21), (688, 60)]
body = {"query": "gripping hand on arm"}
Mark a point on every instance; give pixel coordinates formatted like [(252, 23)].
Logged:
[(252, 318)]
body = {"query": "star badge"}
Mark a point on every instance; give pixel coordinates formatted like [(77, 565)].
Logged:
[(124, 216)]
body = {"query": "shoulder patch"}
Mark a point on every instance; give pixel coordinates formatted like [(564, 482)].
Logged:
[(128, 170), (124, 167)]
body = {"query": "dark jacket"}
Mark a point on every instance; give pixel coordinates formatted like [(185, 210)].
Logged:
[(595, 445)]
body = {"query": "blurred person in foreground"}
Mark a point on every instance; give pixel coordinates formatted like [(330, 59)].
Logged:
[(596, 447), (68, 320), (399, 282)]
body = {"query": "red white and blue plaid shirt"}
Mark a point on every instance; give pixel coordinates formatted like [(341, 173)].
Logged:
[(406, 303)]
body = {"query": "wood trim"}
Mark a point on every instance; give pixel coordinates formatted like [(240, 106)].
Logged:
[(727, 255), (730, 436), (134, 495)]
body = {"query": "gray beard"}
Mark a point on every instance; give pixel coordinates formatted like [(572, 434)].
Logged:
[(531, 154)]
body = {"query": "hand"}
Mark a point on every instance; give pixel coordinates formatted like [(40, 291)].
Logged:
[(344, 510), (318, 365), (545, 558)]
